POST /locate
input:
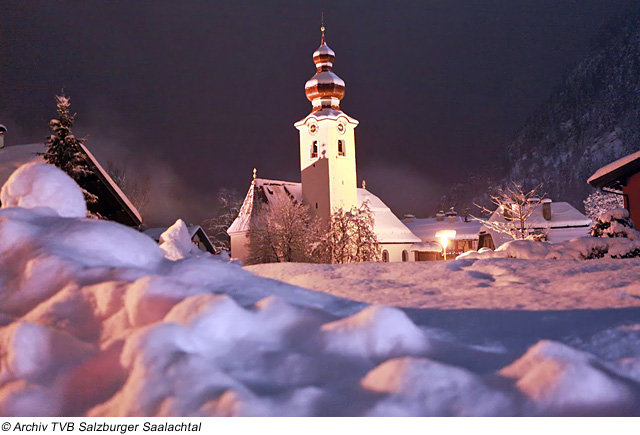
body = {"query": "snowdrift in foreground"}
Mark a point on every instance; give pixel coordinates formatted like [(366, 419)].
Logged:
[(96, 321), (41, 185)]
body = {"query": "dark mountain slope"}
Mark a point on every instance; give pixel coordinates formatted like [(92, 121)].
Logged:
[(592, 119)]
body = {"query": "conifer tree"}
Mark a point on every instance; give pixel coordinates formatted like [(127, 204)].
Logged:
[(64, 149)]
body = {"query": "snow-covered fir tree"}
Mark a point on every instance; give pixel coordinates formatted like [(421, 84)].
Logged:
[(615, 223), (64, 149), (350, 237), (599, 202)]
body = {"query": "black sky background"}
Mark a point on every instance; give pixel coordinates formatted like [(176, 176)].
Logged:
[(194, 94)]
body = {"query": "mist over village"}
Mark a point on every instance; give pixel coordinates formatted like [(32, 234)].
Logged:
[(324, 209)]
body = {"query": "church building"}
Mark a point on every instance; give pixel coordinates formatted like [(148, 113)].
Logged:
[(327, 169)]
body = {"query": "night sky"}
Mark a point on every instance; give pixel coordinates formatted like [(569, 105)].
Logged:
[(194, 94)]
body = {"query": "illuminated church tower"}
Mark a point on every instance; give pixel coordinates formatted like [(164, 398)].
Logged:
[(327, 142)]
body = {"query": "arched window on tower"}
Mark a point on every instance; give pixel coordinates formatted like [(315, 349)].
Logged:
[(385, 256), (341, 148), (314, 149)]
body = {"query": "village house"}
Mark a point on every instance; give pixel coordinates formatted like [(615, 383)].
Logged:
[(327, 167), (460, 233), (559, 221), (622, 177)]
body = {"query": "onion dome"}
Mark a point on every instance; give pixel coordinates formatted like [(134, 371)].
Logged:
[(324, 89)]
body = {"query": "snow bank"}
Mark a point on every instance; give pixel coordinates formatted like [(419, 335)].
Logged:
[(561, 380), (41, 185), (421, 387), (376, 332), (581, 248), (176, 242)]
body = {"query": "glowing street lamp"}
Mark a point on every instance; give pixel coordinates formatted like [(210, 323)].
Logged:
[(444, 236)]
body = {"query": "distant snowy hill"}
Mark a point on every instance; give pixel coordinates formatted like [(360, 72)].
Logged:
[(592, 119)]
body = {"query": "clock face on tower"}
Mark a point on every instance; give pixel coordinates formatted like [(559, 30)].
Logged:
[(341, 127), (313, 128)]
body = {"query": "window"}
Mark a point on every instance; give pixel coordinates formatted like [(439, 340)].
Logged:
[(341, 148), (314, 149), (405, 256), (385, 256)]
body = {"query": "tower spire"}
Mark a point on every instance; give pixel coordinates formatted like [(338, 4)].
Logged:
[(325, 89), (322, 28)]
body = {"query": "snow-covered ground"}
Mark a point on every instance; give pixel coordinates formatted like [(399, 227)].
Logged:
[(481, 284), (96, 320)]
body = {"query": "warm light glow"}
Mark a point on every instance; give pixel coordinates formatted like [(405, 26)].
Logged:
[(444, 236)]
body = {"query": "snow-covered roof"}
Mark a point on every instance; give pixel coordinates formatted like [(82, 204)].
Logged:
[(272, 188), (269, 189), (563, 215), (242, 222), (609, 175), (388, 227), (426, 228), (327, 113)]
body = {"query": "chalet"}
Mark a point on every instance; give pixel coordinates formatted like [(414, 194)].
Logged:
[(560, 221), (622, 177), (462, 235), (112, 203), (196, 232), (327, 168)]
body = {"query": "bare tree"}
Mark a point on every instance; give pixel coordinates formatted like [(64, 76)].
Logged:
[(137, 189), (282, 231), (350, 237), (515, 206), (228, 208)]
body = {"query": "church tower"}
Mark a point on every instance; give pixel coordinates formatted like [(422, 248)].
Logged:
[(327, 142)]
